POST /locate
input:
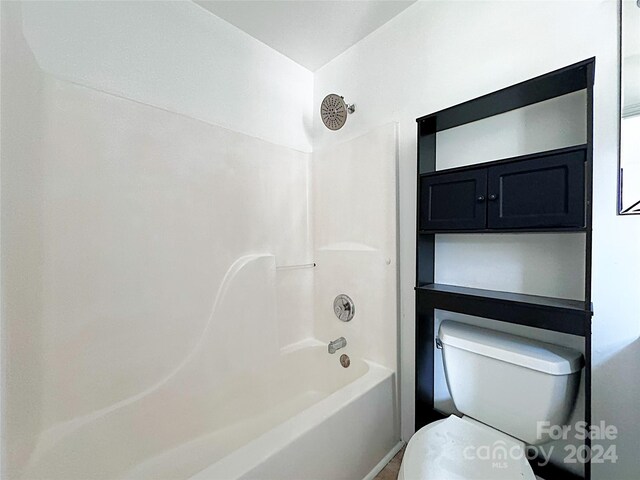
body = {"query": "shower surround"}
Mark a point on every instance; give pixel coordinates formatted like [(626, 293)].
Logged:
[(160, 315)]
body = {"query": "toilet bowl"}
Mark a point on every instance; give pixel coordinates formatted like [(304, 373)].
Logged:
[(503, 385), (462, 449)]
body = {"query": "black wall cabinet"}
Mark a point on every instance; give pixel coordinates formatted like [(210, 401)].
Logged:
[(540, 191), (454, 201)]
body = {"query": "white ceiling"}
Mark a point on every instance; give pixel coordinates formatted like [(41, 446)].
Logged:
[(310, 32)]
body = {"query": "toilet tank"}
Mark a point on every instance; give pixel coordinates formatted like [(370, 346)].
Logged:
[(508, 382)]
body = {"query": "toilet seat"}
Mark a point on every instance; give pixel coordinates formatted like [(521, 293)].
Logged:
[(464, 449)]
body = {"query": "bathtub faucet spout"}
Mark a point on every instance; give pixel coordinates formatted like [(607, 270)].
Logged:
[(337, 344)]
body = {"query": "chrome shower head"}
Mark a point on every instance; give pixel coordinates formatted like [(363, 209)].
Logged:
[(334, 110)]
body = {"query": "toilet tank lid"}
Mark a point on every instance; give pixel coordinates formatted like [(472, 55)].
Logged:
[(525, 352)]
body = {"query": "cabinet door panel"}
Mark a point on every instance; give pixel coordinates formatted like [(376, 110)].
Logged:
[(454, 201), (546, 192)]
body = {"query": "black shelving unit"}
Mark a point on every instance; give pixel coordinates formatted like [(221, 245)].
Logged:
[(554, 314)]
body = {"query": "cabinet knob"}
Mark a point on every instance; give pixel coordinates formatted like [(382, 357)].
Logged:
[(493, 197), (480, 198)]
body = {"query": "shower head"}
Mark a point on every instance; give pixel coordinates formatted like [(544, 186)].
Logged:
[(334, 110)]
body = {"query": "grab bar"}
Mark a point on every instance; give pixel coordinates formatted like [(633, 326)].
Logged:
[(292, 267)]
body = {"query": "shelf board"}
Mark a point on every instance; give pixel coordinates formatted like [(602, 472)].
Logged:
[(549, 313), (509, 230), (530, 156), (544, 87)]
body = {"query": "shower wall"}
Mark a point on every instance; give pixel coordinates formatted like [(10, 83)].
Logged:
[(354, 211), (136, 172)]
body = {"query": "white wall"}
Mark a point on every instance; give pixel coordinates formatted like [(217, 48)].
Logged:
[(135, 171), (438, 54), (176, 56)]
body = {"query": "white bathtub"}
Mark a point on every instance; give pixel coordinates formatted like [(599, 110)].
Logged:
[(302, 417)]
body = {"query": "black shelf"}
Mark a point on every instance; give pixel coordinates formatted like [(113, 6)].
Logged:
[(530, 156), (544, 87), (557, 314), (509, 230)]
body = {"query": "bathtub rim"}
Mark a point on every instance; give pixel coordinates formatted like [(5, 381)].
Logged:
[(261, 448)]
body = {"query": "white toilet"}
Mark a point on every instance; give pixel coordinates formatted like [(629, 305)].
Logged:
[(504, 385)]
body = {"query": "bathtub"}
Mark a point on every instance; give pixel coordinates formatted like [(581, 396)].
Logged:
[(301, 417)]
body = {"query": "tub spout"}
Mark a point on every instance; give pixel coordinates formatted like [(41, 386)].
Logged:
[(337, 344)]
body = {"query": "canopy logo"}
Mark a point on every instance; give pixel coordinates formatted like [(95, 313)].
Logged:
[(501, 453)]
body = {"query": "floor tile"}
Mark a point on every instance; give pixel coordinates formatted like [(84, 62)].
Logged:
[(390, 472)]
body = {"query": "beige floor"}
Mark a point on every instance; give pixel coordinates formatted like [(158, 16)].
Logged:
[(390, 472)]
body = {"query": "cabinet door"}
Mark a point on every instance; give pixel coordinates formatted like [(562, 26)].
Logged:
[(544, 192), (454, 201)]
